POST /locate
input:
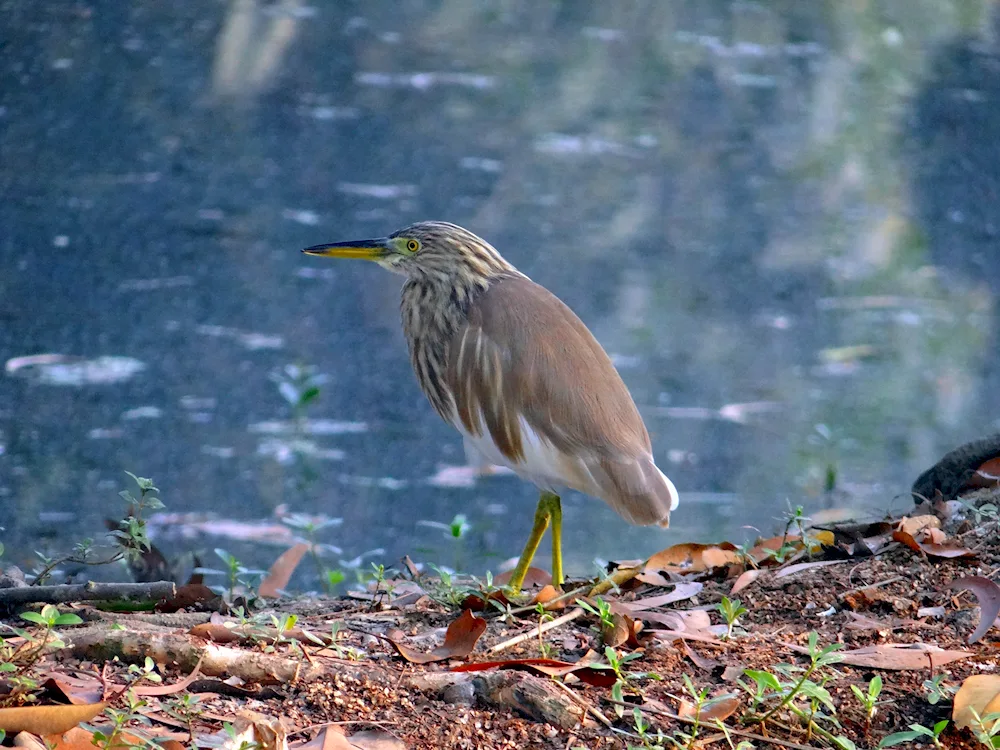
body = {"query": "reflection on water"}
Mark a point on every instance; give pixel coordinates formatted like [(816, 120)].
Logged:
[(780, 219)]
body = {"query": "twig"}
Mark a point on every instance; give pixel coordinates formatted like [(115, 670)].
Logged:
[(89, 591), (886, 582), (588, 707), (561, 598), (535, 632)]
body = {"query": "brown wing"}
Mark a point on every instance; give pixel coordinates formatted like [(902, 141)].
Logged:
[(525, 355)]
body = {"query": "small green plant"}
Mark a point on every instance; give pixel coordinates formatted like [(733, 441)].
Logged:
[(237, 575), (602, 612), (799, 693), (616, 664), (382, 584), (937, 689), (545, 649), (310, 527), (916, 731), (120, 718), (731, 609), (986, 728), (869, 699), (145, 673), (48, 619), (185, 708)]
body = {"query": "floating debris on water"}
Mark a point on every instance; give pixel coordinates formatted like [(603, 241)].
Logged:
[(602, 34), (424, 81), (189, 525), (106, 433), (218, 451), (64, 369), (383, 192), (288, 451), (464, 476), (312, 272), (60, 240), (143, 412), (200, 403), (148, 285), (481, 163), (301, 215), (308, 427), (250, 340), (385, 483)]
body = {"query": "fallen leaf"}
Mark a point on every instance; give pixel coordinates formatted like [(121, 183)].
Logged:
[(793, 569), (459, 640), (583, 670), (986, 476), (533, 578), (918, 523), (25, 739), (175, 687), (546, 594), (80, 690), (988, 595), (280, 573), (690, 557), (45, 720), (252, 729), (702, 662), (720, 708), (947, 551), (681, 592), (375, 739), (746, 578), (980, 692), (895, 656)]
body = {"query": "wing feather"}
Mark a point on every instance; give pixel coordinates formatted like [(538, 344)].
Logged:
[(525, 369)]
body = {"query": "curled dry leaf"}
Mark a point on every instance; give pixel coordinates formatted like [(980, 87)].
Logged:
[(281, 571), (720, 708), (191, 596), (930, 548), (986, 476), (980, 692), (797, 567), (988, 594), (45, 720), (690, 557), (78, 689), (459, 640), (918, 523)]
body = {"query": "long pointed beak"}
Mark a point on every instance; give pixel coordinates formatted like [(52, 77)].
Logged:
[(363, 249)]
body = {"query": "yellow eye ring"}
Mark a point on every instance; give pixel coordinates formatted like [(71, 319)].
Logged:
[(412, 245)]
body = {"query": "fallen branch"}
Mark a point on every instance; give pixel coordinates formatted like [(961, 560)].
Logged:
[(90, 591), (536, 698), (100, 643)]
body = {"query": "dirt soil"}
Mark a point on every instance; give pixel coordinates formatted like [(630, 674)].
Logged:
[(360, 681)]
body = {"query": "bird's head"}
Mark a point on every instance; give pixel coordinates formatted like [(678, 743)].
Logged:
[(426, 250)]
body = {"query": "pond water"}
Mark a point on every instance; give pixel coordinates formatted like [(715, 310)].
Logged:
[(779, 218)]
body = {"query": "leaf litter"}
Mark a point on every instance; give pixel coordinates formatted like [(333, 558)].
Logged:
[(375, 673)]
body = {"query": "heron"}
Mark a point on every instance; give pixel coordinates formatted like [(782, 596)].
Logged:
[(519, 375)]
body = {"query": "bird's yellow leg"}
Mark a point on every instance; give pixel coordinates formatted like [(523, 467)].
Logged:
[(548, 509), (555, 514)]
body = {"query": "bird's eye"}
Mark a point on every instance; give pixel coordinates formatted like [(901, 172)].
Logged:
[(412, 245)]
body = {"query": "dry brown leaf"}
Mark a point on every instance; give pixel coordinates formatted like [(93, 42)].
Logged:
[(28, 740), (175, 687), (215, 632), (459, 640), (980, 692), (375, 739), (281, 571), (947, 551), (265, 732), (988, 594), (191, 595), (534, 578), (896, 656), (681, 591), (45, 720), (746, 578), (79, 689), (702, 662), (918, 523), (720, 708), (986, 476), (691, 557)]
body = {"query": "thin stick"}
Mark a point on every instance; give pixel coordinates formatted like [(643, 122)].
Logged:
[(588, 707), (561, 598), (535, 632)]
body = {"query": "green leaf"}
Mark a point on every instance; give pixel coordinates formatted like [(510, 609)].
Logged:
[(842, 742), (898, 738), (938, 728), (875, 687), (33, 617), (7, 667), (763, 679), (68, 619)]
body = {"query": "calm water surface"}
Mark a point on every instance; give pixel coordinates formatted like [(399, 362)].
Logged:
[(779, 218)]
